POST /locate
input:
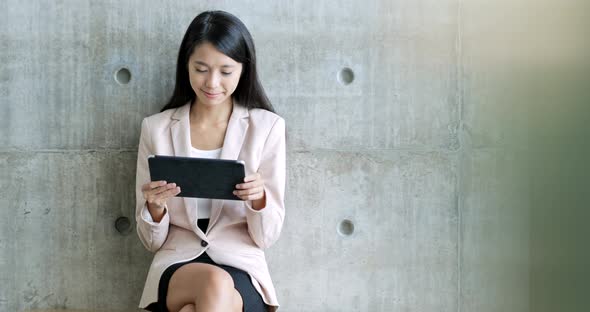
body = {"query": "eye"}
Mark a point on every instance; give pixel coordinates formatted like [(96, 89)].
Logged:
[(201, 70), (226, 74)]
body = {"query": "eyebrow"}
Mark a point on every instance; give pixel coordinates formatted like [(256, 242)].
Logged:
[(205, 64)]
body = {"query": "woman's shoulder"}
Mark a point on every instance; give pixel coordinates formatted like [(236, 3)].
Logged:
[(165, 115), (162, 118), (263, 116)]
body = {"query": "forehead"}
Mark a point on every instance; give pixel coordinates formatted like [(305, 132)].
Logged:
[(206, 53)]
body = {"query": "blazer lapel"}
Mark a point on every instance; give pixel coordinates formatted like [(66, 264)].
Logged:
[(180, 131), (232, 145), (181, 141)]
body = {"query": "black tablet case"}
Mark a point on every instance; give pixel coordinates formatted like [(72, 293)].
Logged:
[(199, 177)]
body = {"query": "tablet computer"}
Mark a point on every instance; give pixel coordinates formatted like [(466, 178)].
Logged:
[(199, 177)]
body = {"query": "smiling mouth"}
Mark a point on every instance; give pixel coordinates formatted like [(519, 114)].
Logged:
[(211, 94)]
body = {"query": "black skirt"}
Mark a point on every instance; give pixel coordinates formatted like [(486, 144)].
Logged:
[(251, 298)]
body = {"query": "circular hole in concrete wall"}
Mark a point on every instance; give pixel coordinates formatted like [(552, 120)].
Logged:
[(123, 225), (345, 76), (345, 227), (123, 76)]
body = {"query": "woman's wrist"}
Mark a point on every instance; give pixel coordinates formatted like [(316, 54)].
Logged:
[(157, 213), (259, 204)]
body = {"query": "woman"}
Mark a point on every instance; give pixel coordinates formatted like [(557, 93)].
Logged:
[(209, 253)]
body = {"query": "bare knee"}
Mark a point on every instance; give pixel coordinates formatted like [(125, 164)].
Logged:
[(205, 287), (188, 308), (218, 282), (189, 285), (237, 301), (220, 292)]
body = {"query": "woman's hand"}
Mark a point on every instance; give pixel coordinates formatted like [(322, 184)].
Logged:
[(252, 189), (156, 194)]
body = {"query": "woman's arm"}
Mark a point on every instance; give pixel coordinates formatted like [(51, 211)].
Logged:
[(265, 223), (152, 234)]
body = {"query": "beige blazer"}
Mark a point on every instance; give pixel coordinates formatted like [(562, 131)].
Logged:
[(237, 234)]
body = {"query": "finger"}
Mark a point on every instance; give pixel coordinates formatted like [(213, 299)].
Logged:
[(254, 190), (248, 185), (171, 193), (252, 177), (151, 195), (162, 197), (251, 197), (249, 191), (150, 185), (163, 189)]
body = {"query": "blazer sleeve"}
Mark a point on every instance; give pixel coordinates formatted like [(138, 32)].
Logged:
[(265, 225), (151, 234)]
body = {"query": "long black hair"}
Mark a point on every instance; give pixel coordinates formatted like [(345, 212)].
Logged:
[(231, 37)]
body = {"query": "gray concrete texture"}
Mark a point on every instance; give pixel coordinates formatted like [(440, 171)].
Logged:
[(403, 152)]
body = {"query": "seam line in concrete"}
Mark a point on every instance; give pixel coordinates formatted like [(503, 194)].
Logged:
[(460, 150), (66, 151), (352, 150)]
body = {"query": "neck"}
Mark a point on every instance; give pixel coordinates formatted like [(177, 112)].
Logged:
[(210, 116)]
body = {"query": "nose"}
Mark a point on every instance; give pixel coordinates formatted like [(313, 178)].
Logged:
[(212, 80)]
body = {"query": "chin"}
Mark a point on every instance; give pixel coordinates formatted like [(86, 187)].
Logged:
[(213, 102)]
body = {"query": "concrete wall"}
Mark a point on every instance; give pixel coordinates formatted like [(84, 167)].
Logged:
[(414, 153)]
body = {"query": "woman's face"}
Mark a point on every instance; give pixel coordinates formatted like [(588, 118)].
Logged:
[(213, 75)]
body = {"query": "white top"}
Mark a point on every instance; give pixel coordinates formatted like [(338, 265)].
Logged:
[(204, 204)]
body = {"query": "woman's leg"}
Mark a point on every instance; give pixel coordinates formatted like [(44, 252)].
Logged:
[(207, 287), (188, 308)]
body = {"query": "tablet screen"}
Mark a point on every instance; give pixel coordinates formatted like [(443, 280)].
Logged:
[(199, 177)]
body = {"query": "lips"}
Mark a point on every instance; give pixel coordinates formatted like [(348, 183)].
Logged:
[(208, 94)]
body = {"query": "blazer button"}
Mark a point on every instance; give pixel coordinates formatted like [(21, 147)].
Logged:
[(204, 243)]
